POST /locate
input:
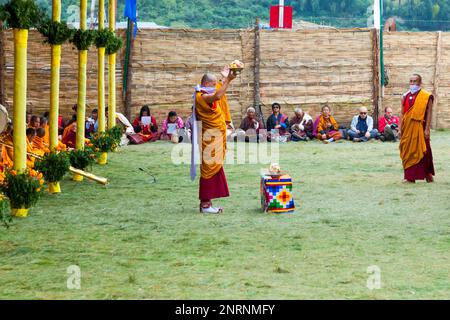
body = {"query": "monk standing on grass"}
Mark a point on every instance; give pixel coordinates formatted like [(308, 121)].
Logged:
[(209, 106), (415, 120)]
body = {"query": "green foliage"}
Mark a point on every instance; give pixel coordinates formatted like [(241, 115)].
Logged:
[(115, 133), (102, 38), (83, 39), (81, 159), (56, 32), (114, 45), (5, 217), (21, 14), (107, 39), (53, 165), (22, 189), (103, 141)]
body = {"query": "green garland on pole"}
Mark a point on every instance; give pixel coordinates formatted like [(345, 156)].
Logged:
[(56, 33), (83, 39), (21, 14)]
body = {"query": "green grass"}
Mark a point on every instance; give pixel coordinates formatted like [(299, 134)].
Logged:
[(135, 239)]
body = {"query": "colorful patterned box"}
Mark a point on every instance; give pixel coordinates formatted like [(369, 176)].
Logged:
[(276, 194)]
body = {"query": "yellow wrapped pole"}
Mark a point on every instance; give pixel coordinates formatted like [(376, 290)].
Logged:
[(54, 82), (81, 102), (20, 99), (112, 69), (82, 63), (101, 71), (101, 89)]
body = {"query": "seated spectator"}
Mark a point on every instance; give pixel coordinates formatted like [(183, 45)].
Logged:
[(388, 126), (147, 128), (46, 127), (69, 135), (328, 128), (29, 115), (39, 144), (171, 127), (301, 126), (277, 125), (92, 123), (249, 128), (35, 122), (30, 133), (361, 129)]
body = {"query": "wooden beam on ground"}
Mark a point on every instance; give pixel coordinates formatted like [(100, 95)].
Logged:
[(436, 80)]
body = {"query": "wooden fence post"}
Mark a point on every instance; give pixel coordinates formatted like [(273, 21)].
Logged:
[(2, 66), (436, 80), (376, 76), (257, 56)]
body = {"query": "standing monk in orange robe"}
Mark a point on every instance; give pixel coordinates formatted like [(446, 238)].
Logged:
[(209, 111), (415, 121)]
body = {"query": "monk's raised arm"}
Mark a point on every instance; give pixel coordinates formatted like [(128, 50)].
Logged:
[(216, 96)]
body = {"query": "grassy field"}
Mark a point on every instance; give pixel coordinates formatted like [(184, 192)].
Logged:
[(140, 239)]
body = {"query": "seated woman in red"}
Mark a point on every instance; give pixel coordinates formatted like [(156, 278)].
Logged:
[(146, 125)]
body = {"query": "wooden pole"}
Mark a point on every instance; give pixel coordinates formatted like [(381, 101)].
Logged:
[(2, 65), (436, 80), (112, 69), (54, 81), (128, 70), (82, 66), (257, 57), (375, 76)]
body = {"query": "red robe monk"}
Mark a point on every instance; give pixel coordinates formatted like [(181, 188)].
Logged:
[(415, 148), (209, 109)]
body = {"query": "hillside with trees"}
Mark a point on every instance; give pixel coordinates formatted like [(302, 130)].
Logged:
[(410, 14)]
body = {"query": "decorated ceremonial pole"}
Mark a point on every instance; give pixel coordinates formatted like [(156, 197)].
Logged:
[(378, 24), (101, 70), (82, 64), (20, 99), (112, 69), (54, 80)]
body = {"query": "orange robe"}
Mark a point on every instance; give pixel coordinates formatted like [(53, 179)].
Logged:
[(47, 134), (213, 183), (223, 104), (214, 139), (30, 159), (324, 126), (415, 149), (7, 152), (40, 146), (69, 135)]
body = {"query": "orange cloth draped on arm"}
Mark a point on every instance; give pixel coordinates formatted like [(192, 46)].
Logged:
[(7, 152), (223, 104), (39, 145), (412, 142), (213, 136), (47, 135), (30, 159)]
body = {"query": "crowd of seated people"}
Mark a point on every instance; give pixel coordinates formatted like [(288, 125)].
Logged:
[(325, 128)]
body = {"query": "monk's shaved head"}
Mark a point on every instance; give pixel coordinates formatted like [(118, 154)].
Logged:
[(208, 79)]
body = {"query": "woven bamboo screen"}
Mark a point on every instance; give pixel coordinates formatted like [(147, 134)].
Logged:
[(302, 67)]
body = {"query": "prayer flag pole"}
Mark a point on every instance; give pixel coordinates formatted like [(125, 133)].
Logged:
[(281, 14)]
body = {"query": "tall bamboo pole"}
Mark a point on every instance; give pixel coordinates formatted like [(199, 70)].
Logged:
[(20, 99), (82, 62), (54, 80), (112, 69), (101, 70)]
